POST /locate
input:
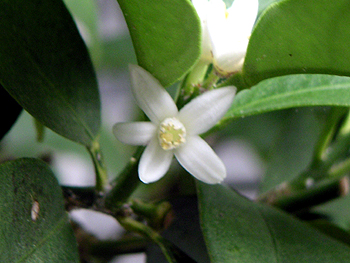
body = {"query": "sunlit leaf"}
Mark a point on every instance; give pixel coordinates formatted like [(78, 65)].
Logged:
[(166, 36), (300, 36), (291, 91)]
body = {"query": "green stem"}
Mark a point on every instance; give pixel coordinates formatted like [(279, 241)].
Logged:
[(40, 130), (99, 165), (324, 179), (345, 129), (210, 82), (337, 151), (195, 77), (293, 201), (125, 184), (135, 226), (340, 169), (109, 249), (327, 135)]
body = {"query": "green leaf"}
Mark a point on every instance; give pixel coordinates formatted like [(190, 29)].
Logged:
[(291, 91), (300, 36), (45, 66), (238, 230), (34, 226), (85, 14), (331, 230), (292, 150), (10, 111), (166, 36)]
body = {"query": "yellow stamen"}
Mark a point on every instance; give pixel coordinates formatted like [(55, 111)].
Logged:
[(171, 134)]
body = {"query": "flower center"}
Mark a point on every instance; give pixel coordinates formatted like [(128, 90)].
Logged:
[(171, 134)]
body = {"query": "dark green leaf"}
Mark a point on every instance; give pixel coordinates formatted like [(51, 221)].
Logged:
[(300, 36), (291, 91), (332, 230), (45, 66), (34, 226), (184, 232), (9, 109), (166, 36), (238, 230), (292, 150)]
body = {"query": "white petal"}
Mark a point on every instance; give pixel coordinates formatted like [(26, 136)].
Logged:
[(227, 60), (203, 112), (230, 37), (134, 133), (151, 97), (202, 8), (206, 54), (199, 159), (154, 162), (242, 15)]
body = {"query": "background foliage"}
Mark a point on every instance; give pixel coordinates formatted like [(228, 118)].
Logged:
[(297, 57)]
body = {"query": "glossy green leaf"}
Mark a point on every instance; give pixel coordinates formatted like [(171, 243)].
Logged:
[(34, 225), (300, 36), (291, 91), (238, 230), (9, 109), (166, 36), (45, 66)]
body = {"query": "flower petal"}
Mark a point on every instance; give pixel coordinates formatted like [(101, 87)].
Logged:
[(134, 133), (199, 159), (230, 36), (154, 162), (202, 8), (203, 112), (242, 15), (151, 97)]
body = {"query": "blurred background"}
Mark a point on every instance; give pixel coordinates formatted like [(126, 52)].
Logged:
[(275, 143)]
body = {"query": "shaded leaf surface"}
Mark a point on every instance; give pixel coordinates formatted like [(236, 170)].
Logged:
[(45, 66), (291, 151), (166, 36), (184, 232), (34, 226), (10, 110), (300, 36), (238, 230)]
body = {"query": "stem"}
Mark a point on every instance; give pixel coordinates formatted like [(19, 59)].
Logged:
[(340, 169), (125, 184), (100, 169), (158, 215), (109, 249), (195, 77), (136, 226), (40, 130), (327, 135), (324, 179), (337, 150), (210, 82), (318, 194), (345, 129)]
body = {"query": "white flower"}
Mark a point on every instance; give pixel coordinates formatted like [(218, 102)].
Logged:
[(172, 132), (226, 32)]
